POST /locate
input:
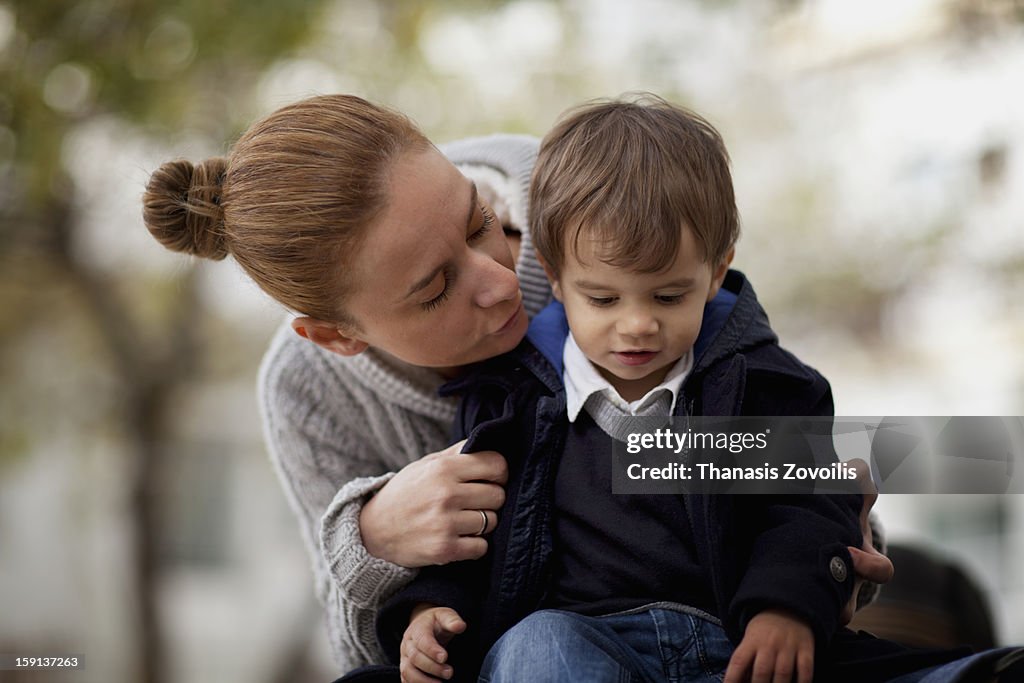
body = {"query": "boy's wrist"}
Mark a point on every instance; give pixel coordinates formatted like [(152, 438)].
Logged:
[(776, 617), (780, 613)]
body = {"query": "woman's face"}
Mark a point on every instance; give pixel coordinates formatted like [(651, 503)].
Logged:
[(435, 284)]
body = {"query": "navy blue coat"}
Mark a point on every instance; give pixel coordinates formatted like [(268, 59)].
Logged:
[(779, 548)]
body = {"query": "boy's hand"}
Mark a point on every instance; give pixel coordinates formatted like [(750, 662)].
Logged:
[(423, 654), (776, 648)]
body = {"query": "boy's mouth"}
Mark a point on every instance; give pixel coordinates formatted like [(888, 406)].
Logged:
[(635, 357)]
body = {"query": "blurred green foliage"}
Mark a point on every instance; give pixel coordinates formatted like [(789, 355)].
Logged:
[(152, 65), (141, 60)]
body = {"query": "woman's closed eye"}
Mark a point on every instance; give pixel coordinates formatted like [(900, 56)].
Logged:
[(449, 277), (439, 299), (485, 227)]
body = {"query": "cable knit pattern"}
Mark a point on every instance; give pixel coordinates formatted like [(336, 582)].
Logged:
[(337, 427)]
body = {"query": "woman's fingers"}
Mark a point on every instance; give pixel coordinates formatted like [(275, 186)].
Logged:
[(478, 496), (872, 566), (481, 466), (471, 522), (425, 514), (467, 548), (475, 465)]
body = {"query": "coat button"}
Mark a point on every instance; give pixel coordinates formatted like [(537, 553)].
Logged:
[(838, 569)]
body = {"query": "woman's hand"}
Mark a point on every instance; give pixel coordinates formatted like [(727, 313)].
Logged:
[(423, 654), (776, 648), (430, 512), (868, 563)]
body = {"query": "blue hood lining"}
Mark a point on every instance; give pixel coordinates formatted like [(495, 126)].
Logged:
[(549, 329)]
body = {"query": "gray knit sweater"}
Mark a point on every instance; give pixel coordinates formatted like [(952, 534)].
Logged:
[(337, 427)]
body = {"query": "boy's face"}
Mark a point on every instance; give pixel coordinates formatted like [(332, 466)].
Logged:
[(635, 326)]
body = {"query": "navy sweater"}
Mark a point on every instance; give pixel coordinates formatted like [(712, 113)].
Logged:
[(616, 552)]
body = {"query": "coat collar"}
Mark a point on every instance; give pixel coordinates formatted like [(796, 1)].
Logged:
[(734, 322)]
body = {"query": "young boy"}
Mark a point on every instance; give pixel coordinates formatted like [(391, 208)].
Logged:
[(634, 218)]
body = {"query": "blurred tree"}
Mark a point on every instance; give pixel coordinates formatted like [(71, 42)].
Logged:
[(162, 66)]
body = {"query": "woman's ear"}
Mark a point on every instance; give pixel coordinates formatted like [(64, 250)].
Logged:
[(328, 335), (718, 276), (556, 286)]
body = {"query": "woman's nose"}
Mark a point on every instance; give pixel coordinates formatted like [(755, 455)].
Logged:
[(495, 284)]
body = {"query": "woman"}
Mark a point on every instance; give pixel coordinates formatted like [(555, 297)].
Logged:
[(303, 205), (398, 268)]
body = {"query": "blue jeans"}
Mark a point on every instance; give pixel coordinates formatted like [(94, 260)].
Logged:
[(650, 646)]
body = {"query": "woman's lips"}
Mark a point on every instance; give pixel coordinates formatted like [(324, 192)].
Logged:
[(513, 319), (635, 357)]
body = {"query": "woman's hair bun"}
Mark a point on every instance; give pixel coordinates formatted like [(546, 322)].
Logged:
[(182, 207)]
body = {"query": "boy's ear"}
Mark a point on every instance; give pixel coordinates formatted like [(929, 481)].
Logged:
[(556, 286), (718, 276), (329, 336)]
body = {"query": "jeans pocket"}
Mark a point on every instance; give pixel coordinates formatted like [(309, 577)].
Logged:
[(714, 649)]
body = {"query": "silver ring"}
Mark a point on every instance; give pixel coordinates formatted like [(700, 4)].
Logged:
[(483, 527)]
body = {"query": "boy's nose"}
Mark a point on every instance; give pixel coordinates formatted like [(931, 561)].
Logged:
[(638, 324)]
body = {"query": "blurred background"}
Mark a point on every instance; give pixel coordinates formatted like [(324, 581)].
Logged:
[(878, 152)]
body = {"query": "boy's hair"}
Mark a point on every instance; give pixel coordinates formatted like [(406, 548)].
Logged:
[(632, 172)]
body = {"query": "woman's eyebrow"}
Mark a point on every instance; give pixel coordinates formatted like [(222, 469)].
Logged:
[(429, 277), (472, 204)]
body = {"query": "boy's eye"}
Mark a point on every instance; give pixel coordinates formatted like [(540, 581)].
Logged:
[(486, 226), (669, 298), (601, 300)]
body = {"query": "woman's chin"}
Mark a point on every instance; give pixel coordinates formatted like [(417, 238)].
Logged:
[(511, 337), (499, 344), (488, 347)]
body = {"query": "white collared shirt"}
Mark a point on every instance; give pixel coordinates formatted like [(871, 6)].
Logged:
[(582, 380)]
